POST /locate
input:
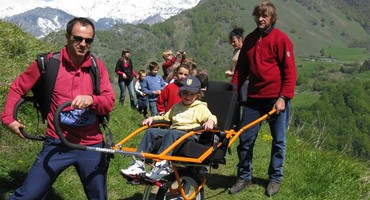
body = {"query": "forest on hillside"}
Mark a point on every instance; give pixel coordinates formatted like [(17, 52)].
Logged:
[(339, 120), (357, 10)]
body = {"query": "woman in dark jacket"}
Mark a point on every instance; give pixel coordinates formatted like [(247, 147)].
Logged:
[(126, 73)]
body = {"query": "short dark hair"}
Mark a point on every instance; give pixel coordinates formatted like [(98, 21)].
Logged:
[(82, 20), (127, 50), (152, 65), (236, 32)]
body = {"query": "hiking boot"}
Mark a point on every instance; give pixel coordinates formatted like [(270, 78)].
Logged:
[(239, 186), (137, 167), (272, 188), (160, 170)]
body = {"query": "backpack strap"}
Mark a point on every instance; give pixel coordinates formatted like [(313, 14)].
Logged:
[(95, 75), (103, 119)]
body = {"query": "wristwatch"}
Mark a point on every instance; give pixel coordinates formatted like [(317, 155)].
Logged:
[(282, 97)]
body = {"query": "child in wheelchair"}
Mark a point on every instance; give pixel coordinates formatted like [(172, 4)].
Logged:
[(186, 115)]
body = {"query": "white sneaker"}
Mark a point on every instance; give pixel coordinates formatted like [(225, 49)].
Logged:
[(160, 170), (137, 167)]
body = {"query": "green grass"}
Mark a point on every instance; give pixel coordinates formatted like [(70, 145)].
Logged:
[(348, 54), (305, 99), (309, 173)]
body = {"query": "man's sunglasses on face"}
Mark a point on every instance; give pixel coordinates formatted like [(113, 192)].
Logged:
[(80, 39)]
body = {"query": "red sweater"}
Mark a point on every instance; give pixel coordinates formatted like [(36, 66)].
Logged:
[(168, 97), (70, 82), (269, 62)]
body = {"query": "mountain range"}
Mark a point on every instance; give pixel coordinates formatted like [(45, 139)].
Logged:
[(41, 17)]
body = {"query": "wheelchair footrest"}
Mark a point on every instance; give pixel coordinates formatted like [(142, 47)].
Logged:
[(140, 180)]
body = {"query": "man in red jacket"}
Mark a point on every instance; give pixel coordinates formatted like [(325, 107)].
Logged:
[(73, 83), (267, 58)]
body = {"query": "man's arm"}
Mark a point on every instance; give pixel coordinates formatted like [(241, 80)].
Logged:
[(286, 60), (20, 86)]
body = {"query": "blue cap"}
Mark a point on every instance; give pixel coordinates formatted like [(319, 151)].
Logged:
[(190, 83)]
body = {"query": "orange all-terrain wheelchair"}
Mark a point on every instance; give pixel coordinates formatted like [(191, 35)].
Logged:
[(185, 181)]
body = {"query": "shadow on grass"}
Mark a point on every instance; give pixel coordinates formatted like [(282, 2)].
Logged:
[(134, 197), (137, 196), (15, 180), (213, 182)]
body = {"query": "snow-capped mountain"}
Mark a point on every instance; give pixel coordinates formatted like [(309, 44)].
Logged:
[(40, 17)]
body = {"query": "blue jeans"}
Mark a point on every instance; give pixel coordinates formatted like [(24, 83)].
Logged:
[(254, 109), (153, 108), (131, 92), (152, 134), (142, 104), (52, 160)]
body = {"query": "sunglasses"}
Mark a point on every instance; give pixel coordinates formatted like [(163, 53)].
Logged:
[(80, 39)]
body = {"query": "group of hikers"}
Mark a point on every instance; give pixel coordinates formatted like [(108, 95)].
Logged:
[(153, 91), (265, 61)]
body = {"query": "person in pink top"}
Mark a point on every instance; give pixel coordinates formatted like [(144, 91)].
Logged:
[(73, 83), (170, 93)]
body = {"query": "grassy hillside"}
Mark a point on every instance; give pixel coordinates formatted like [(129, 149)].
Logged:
[(356, 10), (310, 173), (17, 49)]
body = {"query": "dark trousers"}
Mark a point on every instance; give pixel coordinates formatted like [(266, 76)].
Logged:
[(52, 160), (152, 134), (142, 104)]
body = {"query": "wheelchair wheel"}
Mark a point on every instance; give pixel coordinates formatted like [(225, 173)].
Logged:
[(170, 190)]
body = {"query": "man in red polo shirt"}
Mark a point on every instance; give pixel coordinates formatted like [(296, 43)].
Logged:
[(73, 83)]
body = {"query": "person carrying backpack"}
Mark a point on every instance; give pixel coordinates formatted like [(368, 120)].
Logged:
[(73, 83)]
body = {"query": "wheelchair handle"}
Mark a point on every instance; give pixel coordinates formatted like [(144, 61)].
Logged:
[(58, 129), (15, 116)]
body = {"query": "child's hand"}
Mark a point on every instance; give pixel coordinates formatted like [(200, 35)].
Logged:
[(228, 73), (157, 92), (209, 125), (148, 121)]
